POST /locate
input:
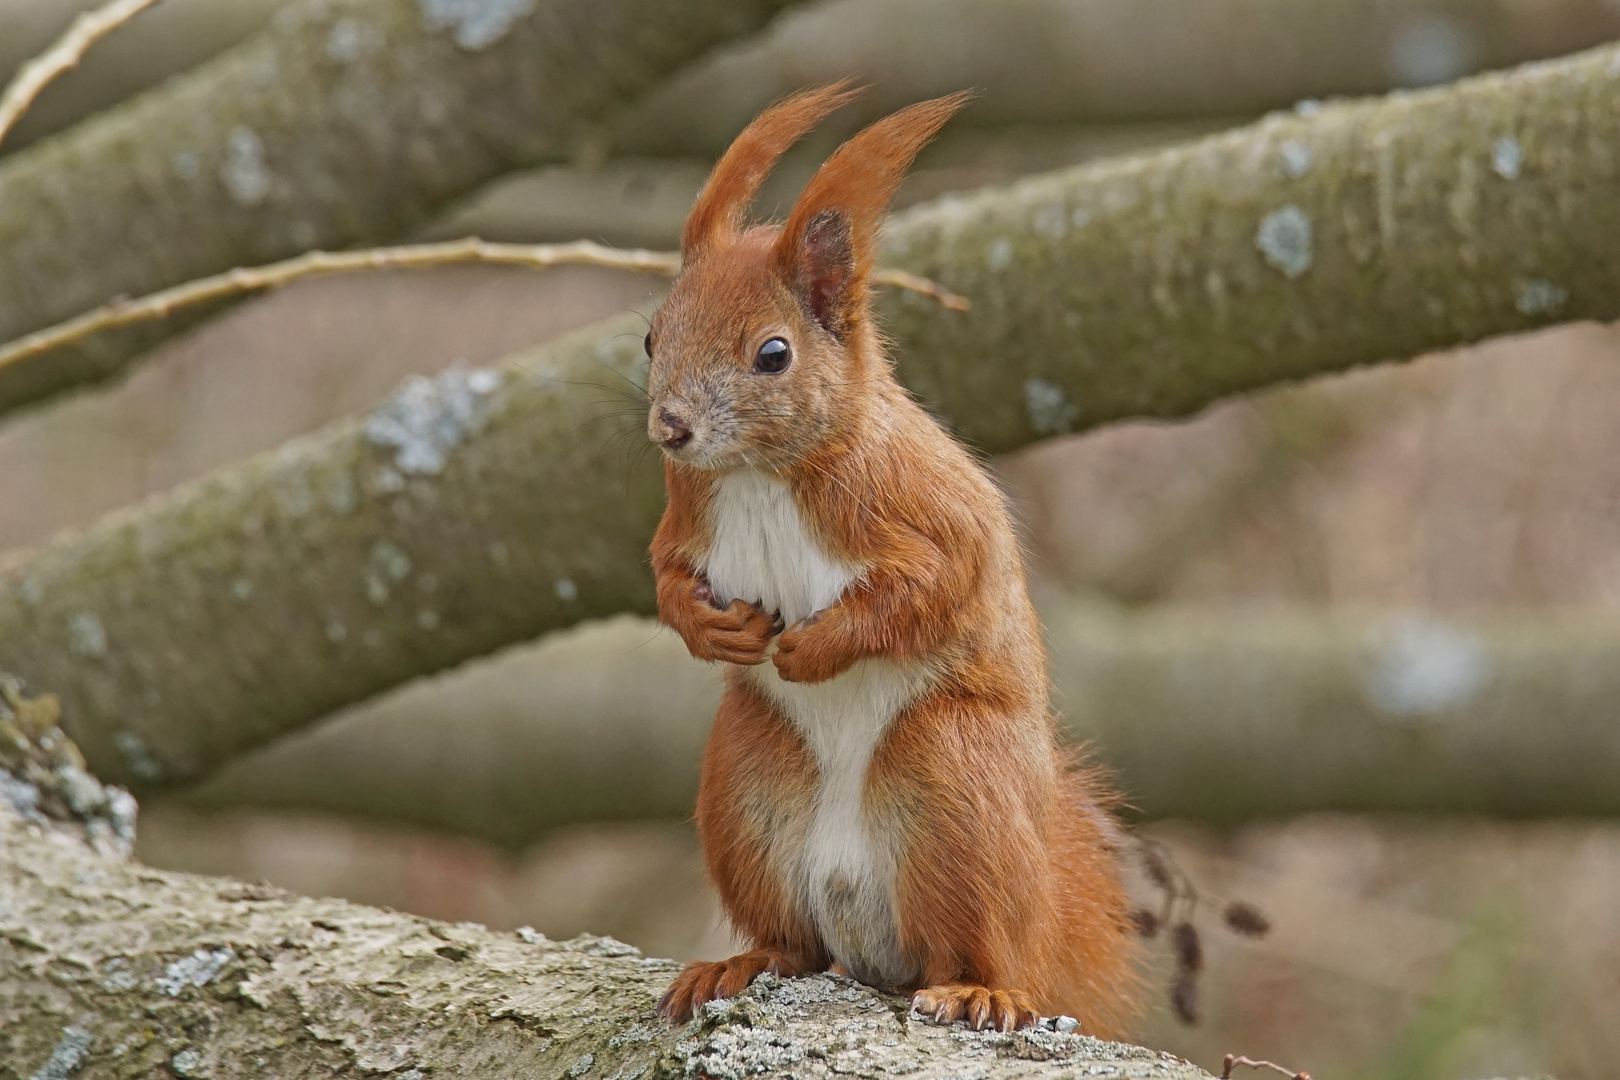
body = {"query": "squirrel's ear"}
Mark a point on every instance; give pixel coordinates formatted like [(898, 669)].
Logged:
[(828, 245), (748, 161)]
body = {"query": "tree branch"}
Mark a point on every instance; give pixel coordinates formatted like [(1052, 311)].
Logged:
[(488, 508), (244, 280), (344, 122), (109, 969), (1210, 716), (34, 76)]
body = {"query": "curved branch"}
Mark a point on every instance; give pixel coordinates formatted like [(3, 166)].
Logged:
[(110, 969), (488, 508), (345, 121)]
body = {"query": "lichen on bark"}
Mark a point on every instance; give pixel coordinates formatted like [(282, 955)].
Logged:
[(345, 121), (112, 970), (258, 600)]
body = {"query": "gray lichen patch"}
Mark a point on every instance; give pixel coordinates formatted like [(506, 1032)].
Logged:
[(1425, 666), (1286, 241), (428, 418), (1538, 296), (1050, 410), (1000, 255), (142, 762), (1507, 158), (86, 635), (199, 969), (1431, 48), (1296, 158), (478, 24), (67, 1055), (244, 172), (353, 39), (43, 777), (386, 566)]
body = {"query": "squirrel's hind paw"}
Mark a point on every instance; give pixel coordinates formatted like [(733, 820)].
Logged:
[(981, 1007)]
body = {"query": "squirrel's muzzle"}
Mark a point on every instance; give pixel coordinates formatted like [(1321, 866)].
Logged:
[(669, 429)]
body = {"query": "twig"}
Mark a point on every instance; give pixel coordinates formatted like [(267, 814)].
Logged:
[(69, 49), (902, 279), (125, 312), (1237, 1059)]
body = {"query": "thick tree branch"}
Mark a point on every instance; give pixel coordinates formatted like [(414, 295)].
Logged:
[(109, 969), (484, 509), (1351, 234), (1210, 716), (346, 120)]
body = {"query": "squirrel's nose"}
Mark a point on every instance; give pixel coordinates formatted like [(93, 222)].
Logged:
[(680, 432)]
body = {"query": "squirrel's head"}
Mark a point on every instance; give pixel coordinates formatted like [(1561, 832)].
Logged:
[(765, 346)]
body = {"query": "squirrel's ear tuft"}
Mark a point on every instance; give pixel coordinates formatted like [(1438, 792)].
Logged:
[(827, 247), (736, 178)]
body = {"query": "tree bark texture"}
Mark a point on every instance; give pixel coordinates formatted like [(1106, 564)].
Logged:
[(1359, 232), (111, 970), (1204, 715), (1107, 61), (346, 121), (484, 509)]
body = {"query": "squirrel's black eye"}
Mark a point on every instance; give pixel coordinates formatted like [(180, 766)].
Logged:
[(774, 357), (646, 343)]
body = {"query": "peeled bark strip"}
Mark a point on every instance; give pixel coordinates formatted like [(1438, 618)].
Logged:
[(109, 969), (345, 121), (254, 602)]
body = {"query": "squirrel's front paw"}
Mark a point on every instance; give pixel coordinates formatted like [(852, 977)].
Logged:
[(804, 653), (738, 633)]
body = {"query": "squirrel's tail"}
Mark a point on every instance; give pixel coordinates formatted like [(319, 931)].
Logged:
[(1094, 951)]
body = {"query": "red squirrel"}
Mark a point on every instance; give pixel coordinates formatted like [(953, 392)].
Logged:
[(884, 793)]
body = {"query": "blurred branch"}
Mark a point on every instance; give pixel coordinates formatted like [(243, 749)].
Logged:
[(414, 257), (170, 38), (1213, 716), (35, 75), (484, 509), (197, 976), (1104, 62), (343, 122)]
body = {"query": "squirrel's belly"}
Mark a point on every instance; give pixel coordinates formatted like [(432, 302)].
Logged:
[(844, 877)]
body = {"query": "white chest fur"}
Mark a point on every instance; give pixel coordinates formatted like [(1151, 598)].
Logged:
[(844, 874), (763, 552)]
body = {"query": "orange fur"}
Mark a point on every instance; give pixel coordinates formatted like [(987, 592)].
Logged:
[(1005, 892)]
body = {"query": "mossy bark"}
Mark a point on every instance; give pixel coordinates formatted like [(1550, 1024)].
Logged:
[(112, 970), (1361, 232), (470, 512), (254, 602), (345, 121), (1204, 715)]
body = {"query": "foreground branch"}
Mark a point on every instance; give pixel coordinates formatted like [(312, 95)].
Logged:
[(1210, 716), (109, 969), (86, 30), (488, 508), (345, 121)]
